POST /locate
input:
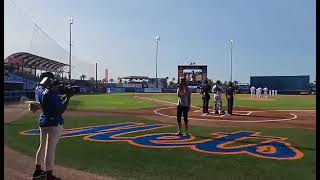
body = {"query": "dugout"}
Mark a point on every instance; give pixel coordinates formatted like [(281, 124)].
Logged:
[(283, 84)]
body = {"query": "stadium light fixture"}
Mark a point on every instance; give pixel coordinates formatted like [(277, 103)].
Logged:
[(71, 22), (157, 41), (231, 46)]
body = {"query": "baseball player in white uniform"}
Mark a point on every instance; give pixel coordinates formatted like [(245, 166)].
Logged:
[(265, 92), (252, 90), (272, 92), (258, 92), (276, 92), (217, 94)]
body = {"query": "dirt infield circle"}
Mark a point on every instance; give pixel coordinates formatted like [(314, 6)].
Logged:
[(243, 116)]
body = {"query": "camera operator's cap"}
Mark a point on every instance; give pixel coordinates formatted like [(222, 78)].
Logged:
[(46, 74), (46, 77)]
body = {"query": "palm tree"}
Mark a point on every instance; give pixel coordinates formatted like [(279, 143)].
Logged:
[(82, 77)]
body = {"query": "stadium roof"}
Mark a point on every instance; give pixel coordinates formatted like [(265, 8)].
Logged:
[(34, 61), (135, 77)]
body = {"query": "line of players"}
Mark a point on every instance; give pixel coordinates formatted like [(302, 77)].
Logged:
[(258, 92)]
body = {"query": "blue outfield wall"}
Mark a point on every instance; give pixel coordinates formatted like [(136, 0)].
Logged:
[(140, 90), (117, 90)]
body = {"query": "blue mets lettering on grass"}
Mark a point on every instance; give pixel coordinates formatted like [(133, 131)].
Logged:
[(223, 143)]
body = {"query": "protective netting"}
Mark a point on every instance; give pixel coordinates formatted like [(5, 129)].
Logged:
[(22, 34)]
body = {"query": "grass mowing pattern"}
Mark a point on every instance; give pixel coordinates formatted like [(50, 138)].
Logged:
[(123, 161), (108, 101)]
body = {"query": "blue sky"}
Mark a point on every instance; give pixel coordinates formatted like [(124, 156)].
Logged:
[(274, 37)]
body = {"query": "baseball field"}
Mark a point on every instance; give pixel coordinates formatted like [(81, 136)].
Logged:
[(132, 136)]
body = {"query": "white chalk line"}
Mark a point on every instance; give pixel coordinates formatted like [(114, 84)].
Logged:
[(152, 99), (225, 120), (211, 114), (161, 101)]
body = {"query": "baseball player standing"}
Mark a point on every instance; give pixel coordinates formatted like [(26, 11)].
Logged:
[(205, 90), (50, 124), (273, 92), (265, 92), (258, 92), (217, 90), (229, 95), (276, 92), (252, 90)]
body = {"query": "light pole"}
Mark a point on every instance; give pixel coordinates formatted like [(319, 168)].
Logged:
[(71, 22), (231, 46), (157, 41)]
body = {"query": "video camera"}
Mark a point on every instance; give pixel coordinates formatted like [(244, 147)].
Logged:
[(62, 88), (68, 89)]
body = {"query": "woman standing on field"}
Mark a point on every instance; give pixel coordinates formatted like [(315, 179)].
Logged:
[(183, 104)]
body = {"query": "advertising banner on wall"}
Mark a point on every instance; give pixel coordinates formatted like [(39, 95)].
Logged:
[(152, 90)]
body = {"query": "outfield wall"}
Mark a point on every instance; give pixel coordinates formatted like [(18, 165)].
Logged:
[(283, 84)]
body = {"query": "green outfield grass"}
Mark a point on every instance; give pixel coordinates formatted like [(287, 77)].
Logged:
[(127, 101), (124, 161), (108, 101)]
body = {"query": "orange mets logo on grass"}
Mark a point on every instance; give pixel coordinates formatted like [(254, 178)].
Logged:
[(268, 147)]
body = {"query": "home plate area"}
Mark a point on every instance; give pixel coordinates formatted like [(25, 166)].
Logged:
[(212, 114), (238, 115)]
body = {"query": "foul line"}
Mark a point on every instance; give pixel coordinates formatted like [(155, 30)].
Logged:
[(161, 101), (222, 120)]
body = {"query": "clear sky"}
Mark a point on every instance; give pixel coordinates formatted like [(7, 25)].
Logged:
[(274, 37)]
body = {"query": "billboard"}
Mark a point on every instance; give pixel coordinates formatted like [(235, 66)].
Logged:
[(195, 74)]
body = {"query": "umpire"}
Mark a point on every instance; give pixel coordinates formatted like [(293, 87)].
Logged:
[(206, 88), (229, 95)]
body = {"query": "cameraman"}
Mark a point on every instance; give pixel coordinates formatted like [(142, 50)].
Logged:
[(51, 123), (205, 90)]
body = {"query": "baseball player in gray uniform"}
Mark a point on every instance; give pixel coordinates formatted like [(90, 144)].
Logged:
[(217, 94)]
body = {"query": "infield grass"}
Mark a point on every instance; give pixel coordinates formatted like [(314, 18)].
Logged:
[(124, 161)]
